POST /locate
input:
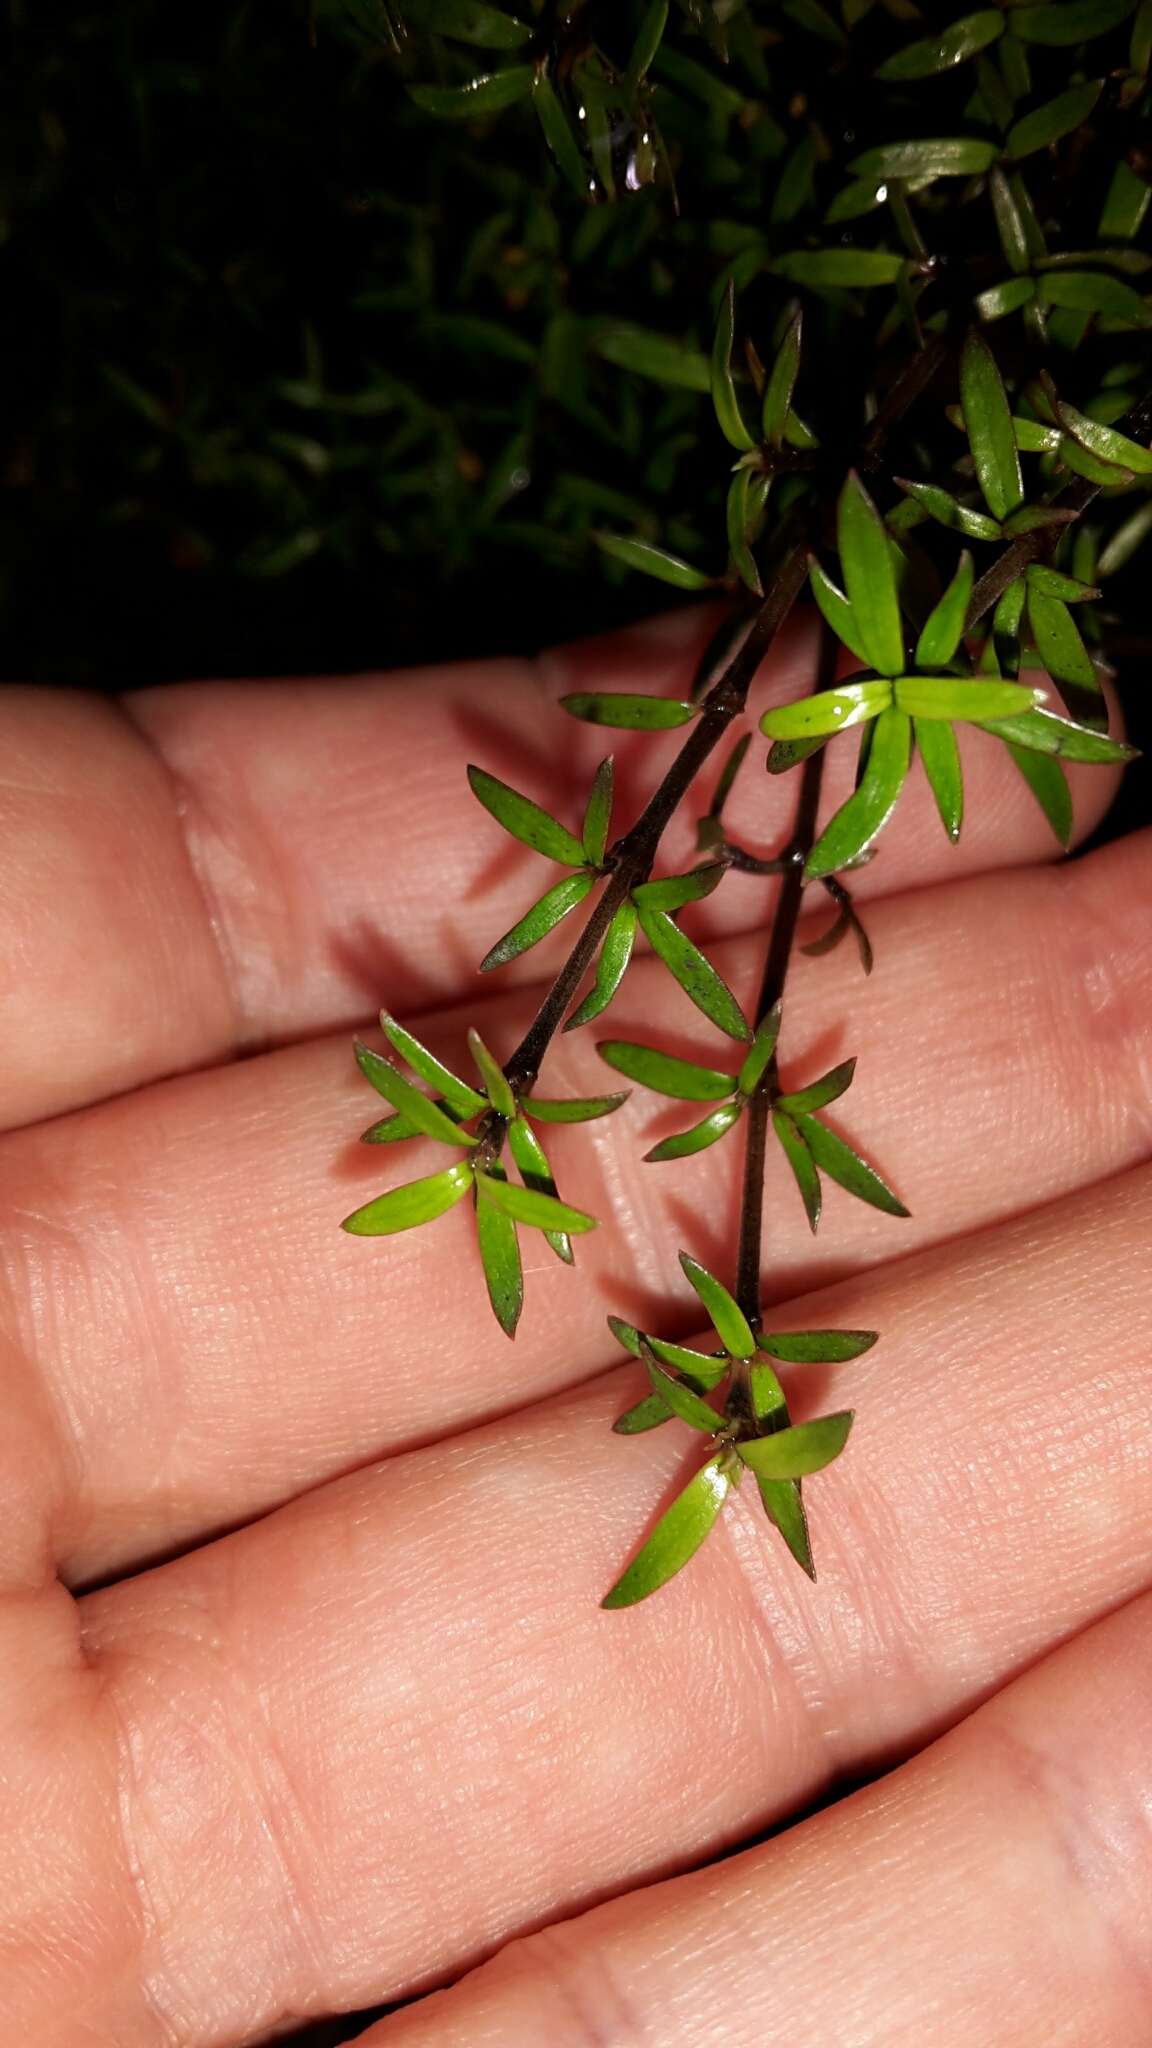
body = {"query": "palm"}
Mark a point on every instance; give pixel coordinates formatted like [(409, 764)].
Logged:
[(345, 1751)]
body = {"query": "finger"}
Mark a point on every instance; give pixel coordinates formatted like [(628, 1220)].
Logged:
[(237, 863), (999, 1887), (378, 1733), (215, 1343)]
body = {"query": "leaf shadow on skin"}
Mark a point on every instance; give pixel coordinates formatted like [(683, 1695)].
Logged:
[(377, 966)]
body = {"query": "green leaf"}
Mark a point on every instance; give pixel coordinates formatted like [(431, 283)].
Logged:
[(416, 1108), (943, 629), (1105, 442), (988, 422), (1057, 118), (680, 1400), (615, 954), (559, 137), (525, 820), (827, 711), (1128, 198), (869, 577), (469, 22), (416, 1202), (1010, 296), (846, 921), (389, 1131), (1065, 22), (648, 40), (674, 891), (816, 1347), (936, 745), (951, 46), (574, 1109), (684, 1143), (677, 1535), (784, 1507), (952, 156), (500, 1257), (761, 1050), (488, 94), (942, 506), (657, 356), (1095, 291), (1041, 732), (727, 405), (837, 612), (805, 1448), (1032, 517), (492, 1074), (786, 754), (647, 1414), (842, 269), (1010, 224), (740, 518), (1050, 583), (819, 1093), (862, 195), (777, 402), (842, 1164), (1049, 785), (956, 697), (1058, 643), (628, 710), (598, 815), (727, 1318), (653, 561), (556, 904), (696, 975), (858, 822), (626, 1334), (456, 1092), (696, 1367), (528, 1205), (661, 1071), (796, 1152), (535, 1172)]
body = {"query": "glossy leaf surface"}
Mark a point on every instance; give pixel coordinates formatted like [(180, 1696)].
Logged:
[(937, 748), (819, 1093), (953, 45), (456, 1092), (573, 1109), (869, 577), (525, 820), (500, 1258), (628, 711), (652, 561), (677, 1536), (816, 1347), (542, 1212), (795, 1149), (696, 975), (680, 1400), (842, 1164), (598, 814), (611, 965), (988, 421), (858, 822), (796, 1452), (492, 1074), (930, 697), (827, 711), (733, 425), (416, 1202), (728, 1320), (683, 1144), (943, 629), (761, 1050), (663, 1072), (837, 611), (488, 94), (1044, 733), (550, 910), (416, 1108)]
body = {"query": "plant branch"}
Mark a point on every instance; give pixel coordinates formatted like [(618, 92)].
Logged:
[(634, 854)]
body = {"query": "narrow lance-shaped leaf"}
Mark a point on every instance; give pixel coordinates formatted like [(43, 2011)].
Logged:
[(795, 1149), (611, 966), (684, 1080), (949, 697), (1057, 118), (858, 822), (740, 520), (837, 612), (953, 45), (1049, 785), (456, 1092), (947, 156), (1051, 583), (777, 401), (559, 137), (937, 748), (941, 505), (1058, 643), (839, 269), (629, 711), (784, 1507), (819, 1094), (696, 975), (796, 1452), (816, 1347), (677, 1536), (492, 1074), (556, 904), (988, 420), (842, 1164), (647, 1414), (1043, 733), (943, 629), (542, 1212), (683, 1144), (724, 399), (827, 711), (728, 1319), (672, 892), (469, 21), (654, 355), (574, 1109), (598, 814), (648, 40), (680, 1400), (1095, 291), (524, 819), (488, 94), (499, 1256), (416, 1202), (761, 1050), (696, 1367), (1106, 442), (535, 1172), (869, 577), (1065, 22), (416, 1108), (653, 561)]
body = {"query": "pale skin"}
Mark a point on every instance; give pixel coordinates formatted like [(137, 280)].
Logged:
[(306, 1698)]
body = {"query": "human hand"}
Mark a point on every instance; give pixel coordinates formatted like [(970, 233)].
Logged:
[(350, 1749)]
